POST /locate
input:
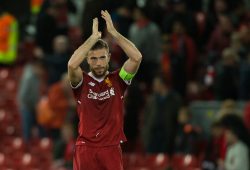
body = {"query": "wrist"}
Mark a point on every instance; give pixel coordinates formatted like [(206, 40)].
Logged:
[(94, 37), (114, 33)]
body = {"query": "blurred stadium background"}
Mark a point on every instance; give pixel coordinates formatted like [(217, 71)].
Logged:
[(195, 72)]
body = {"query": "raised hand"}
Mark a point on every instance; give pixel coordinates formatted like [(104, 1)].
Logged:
[(109, 23), (97, 34)]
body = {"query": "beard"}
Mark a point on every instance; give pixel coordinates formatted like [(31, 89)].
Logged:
[(99, 71)]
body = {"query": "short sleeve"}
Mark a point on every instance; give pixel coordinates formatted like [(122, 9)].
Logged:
[(77, 90)]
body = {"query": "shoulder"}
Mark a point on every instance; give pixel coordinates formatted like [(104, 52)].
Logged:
[(114, 72), (241, 147), (114, 76), (84, 79)]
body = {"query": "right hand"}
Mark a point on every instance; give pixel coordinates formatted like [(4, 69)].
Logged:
[(110, 26), (95, 33)]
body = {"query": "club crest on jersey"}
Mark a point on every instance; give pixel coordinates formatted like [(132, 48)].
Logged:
[(91, 84), (108, 82)]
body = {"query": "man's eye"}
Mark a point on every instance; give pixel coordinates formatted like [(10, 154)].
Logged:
[(102, 57), (93, 58)]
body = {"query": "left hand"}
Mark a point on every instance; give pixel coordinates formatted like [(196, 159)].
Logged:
[(95, 33), (109, 23)]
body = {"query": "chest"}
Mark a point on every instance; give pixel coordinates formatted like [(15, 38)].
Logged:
[(100, 92)]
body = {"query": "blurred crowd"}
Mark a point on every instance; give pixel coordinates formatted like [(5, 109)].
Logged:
[(192, 51)]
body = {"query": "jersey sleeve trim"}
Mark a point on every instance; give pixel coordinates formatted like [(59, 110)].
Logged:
[(78, 85)]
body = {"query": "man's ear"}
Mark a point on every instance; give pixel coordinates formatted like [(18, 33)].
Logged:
[(87, 58), (109, 55)]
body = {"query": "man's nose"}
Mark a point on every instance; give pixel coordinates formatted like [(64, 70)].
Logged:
[(99, 61)]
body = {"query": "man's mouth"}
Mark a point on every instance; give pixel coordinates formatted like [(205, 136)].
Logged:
[(99, 69)]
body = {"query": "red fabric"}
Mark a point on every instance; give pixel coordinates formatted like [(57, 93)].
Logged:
[(93, 158), (201, 22), (62, 17), (218, 41), (218, 148), (222, 147), (59, 104), (69, 150), (166, 65), (100, 110), (36, 3), (57, 98), (190, 51), (246, 116), (5, 23), (142, 23)]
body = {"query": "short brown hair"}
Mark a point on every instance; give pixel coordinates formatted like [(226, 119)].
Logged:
[(100, 44)]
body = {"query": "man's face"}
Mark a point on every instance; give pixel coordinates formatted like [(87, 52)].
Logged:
[(60, 44), (98, 62)]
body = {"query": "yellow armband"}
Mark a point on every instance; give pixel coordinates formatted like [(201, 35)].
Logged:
[(125, 75)]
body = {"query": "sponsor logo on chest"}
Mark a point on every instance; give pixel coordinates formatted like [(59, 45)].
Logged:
[(102, 95), (91, 84)]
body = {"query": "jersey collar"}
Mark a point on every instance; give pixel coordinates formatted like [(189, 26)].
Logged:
[(98, 79)]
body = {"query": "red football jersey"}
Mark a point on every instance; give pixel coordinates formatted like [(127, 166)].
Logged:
[(100, 110)]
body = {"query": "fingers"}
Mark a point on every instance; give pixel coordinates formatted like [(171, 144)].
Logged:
[(105, 14), (95, 25), (109, 23), (95, 22), (95, 31)]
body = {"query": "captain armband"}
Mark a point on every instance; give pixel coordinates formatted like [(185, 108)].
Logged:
[(125, 75)]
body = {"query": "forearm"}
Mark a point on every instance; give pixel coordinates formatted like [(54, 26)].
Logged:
[(81, 53), (128, 47)]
